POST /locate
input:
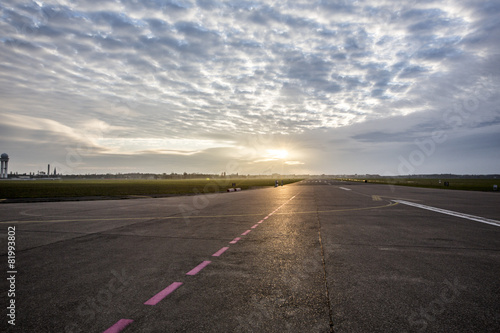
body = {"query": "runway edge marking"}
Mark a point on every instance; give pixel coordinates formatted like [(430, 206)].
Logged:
[(452, 213)]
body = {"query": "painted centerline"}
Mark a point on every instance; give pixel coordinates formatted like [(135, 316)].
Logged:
[(123, 323), (162, 294), (234, 241), (452, 213), (119, 326), (345, 188), (221, 251), (198, 268)]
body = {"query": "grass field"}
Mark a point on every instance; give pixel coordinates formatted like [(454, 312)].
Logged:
[(13, 189), (454, 184)]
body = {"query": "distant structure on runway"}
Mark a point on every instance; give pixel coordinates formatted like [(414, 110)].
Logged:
[(5, 166)]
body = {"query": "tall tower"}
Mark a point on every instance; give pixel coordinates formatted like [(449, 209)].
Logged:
[(4, 166)]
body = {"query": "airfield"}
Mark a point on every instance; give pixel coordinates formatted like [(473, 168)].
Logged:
[(313, 256)]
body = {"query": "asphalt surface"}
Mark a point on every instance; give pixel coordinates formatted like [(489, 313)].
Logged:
[(316, 256)]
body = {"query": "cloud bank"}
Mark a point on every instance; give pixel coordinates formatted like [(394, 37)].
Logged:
[(162, 86)]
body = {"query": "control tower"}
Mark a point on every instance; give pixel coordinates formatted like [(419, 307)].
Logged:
[(5, 166)]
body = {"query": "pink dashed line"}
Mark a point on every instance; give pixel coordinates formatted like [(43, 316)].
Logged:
[(234, 241), (119, 326), (221, 251), (198, 268), (162, 294)]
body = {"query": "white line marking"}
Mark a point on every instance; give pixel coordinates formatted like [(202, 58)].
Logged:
[(449, 212), (345, 188)]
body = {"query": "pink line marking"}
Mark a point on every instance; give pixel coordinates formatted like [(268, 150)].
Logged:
[(221, 251), (246, 232), (162, 294), (265, 218), (119, 326), (260, 221), (255, 226), (198, 268), (234, 241)]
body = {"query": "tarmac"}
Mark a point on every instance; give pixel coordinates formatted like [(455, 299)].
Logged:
[(315, 256)]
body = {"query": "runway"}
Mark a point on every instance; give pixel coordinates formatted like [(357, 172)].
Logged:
[(315, 256)]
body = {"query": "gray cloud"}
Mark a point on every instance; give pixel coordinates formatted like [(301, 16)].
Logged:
[(196, 70)]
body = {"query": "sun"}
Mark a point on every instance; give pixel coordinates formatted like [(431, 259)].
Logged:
[(278, 154)]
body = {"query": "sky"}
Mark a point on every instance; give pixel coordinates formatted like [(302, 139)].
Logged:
[(251, 87)]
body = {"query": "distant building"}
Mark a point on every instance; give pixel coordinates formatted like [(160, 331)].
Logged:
[(4, 166)]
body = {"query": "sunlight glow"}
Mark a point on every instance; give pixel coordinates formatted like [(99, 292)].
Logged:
[(277, 153)]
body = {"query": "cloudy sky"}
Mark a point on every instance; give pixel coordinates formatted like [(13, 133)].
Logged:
[(383, 86)]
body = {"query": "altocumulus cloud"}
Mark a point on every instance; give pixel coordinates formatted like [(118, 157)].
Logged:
[(177, 85)]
